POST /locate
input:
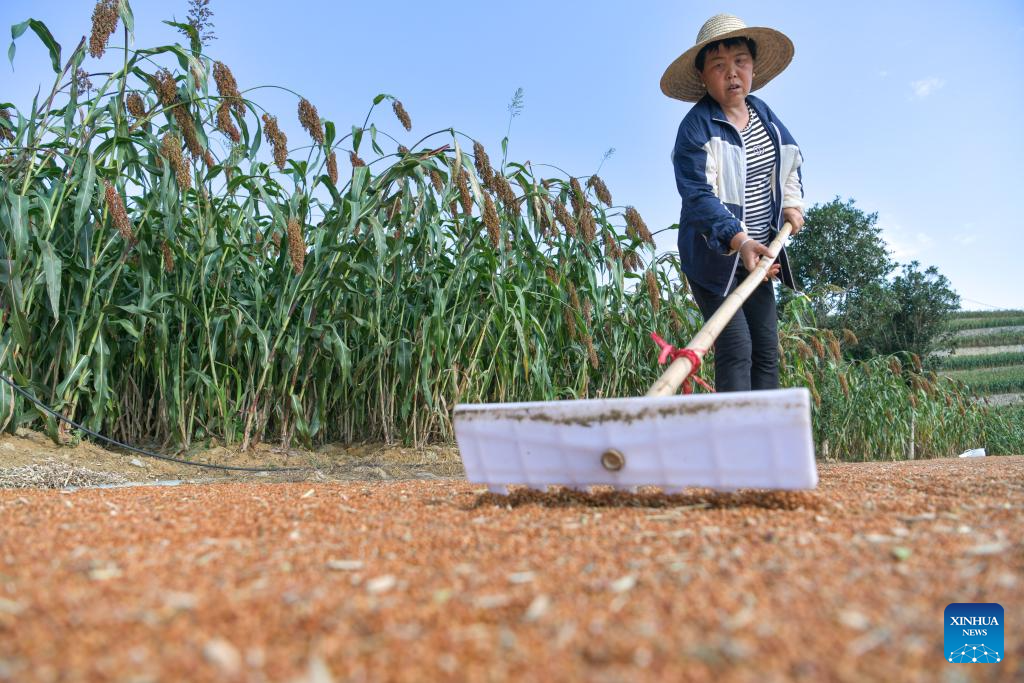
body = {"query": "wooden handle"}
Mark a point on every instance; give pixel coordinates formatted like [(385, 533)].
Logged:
[(679, 369)]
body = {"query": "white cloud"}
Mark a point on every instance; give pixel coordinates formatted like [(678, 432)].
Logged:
[(926, 87), (967, 236), (904, 245)]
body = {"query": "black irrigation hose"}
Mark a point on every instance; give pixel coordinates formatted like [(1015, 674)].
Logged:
[(42, 406)]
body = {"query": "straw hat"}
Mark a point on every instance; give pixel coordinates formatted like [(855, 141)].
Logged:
[(774, 52)]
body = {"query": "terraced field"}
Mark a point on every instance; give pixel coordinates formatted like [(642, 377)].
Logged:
[(990, 356)]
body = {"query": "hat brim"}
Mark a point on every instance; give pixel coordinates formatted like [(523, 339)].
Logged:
[(774, 53)]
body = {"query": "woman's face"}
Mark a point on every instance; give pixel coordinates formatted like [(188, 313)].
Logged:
[(728, 73)]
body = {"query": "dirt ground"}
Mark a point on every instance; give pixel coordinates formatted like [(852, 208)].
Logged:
[(431, 578), (31, 460)]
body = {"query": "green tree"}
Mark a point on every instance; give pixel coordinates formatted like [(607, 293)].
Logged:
[(922, 301), (839, 252), (841, 260)]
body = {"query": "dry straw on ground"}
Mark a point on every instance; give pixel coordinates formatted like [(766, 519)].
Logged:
[(54, 474)]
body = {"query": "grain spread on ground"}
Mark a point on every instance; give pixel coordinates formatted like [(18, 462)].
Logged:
[(438, 580)]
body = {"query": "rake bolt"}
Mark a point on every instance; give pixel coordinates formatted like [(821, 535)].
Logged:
[(613, 460)]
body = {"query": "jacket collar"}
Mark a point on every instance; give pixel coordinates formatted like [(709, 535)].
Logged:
[(715, 110)]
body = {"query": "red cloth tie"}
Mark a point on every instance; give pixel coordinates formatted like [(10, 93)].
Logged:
[(693, 355)]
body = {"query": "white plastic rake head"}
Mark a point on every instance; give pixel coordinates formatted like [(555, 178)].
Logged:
[(757, 439)]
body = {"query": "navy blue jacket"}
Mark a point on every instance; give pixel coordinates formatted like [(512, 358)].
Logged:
[(710, 167)]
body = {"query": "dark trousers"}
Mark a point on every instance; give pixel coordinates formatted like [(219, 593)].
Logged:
[(747, 351)]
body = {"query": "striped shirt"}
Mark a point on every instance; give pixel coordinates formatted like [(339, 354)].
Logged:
[(757, 199)]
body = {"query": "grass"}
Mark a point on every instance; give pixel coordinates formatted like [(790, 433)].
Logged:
[(992, 373), (872, 409), (959, 315), (956, 324), (1000, 338), (1004, 430), (166, 282), (992, 360), (1001, 380)]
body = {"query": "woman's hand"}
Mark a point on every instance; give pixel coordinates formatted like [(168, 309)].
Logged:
[(794, 217), (751, 252)]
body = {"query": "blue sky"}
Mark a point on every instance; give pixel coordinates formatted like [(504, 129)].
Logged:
[(909, 107)]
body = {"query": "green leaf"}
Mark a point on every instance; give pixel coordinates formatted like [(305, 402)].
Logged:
[(378, 236), (128, 327), (298, 412), (7, 407), (34, 116), (22, 331), (100, 381), (85, 191), (51, 271), (85, 243), (16, 31), (125, 11), (190, 31), (360, 178), (73, 376), (44, 35), (19, 221), (204, 141), (176, 50), (275, 210), (373, 140), (69, 108), (378, 99)]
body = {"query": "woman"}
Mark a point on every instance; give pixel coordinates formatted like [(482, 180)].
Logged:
[(738, 172)]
